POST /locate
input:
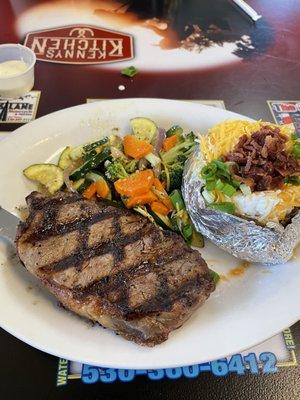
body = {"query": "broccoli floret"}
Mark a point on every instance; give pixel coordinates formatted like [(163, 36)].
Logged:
[(173, 160), (130, 165), (120, 169), (172, 176), (115, 170)]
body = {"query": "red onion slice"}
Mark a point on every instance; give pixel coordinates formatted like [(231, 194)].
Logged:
[(142, 163), (116, 153), (160, 137), (66, 178)]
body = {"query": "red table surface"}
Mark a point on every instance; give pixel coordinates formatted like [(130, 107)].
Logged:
[(244, 87)]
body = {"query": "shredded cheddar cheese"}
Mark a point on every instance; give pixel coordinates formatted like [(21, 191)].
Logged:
[(289, 198), (222, 138), (219, 196)]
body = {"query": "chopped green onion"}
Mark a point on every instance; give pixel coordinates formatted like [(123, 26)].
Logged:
[(129, 71), (210, 185), (293, 180), (222, 167), (294, 136), (215, 275), (208, 171), (235, 183), (216, 169), (296, 149), (225, 188), (177, 200), (226, 207), (245, 189), (197, 239), (219, 185), (208, 196), (187, 232), (229, 190)]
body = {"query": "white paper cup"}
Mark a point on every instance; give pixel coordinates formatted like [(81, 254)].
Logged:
[(17, 85)]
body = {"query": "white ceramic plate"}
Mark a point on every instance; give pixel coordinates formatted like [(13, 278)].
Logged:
[(243, 311)]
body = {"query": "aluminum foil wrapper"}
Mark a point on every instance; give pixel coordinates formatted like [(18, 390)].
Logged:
[(244, 239)]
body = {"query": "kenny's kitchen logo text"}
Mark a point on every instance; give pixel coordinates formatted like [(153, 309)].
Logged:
[(80, 44)]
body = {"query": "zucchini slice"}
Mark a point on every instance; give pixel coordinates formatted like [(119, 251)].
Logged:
[(76, 185), (174, 130), (65, 160), (49, 175), (162, 220), (143, 128), (77, 152), (85, 184), (86, 150), (90, 164), (91, 146)]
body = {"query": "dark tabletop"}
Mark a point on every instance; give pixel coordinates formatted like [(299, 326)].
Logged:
[(270, 70)]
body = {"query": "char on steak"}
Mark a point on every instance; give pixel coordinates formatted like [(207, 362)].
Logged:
[(112, 265)]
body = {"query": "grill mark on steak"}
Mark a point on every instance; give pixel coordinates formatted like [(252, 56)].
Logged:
[(107, 285), (161, 303), (84, 253), (120, 283), (66, 278), (36, 201), (132, 277), (118, 251), (53, 229)]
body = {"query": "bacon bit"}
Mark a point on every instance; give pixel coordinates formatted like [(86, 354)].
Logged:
[(262, 161)]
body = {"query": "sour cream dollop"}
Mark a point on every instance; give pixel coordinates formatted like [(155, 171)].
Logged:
[(12, 67), (256, 205)]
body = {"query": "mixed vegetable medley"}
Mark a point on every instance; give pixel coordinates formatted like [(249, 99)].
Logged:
[(141, 171)]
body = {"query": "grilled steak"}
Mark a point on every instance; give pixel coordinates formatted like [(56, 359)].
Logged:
[(112, 266)]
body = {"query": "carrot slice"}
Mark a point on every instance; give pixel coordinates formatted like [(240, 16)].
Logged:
[(136, 148), (136, 184), (158, 185), (169, 142), (146, 198), (159, 208), (163, 197), (102, 189), (167, 202), (90, 191)]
